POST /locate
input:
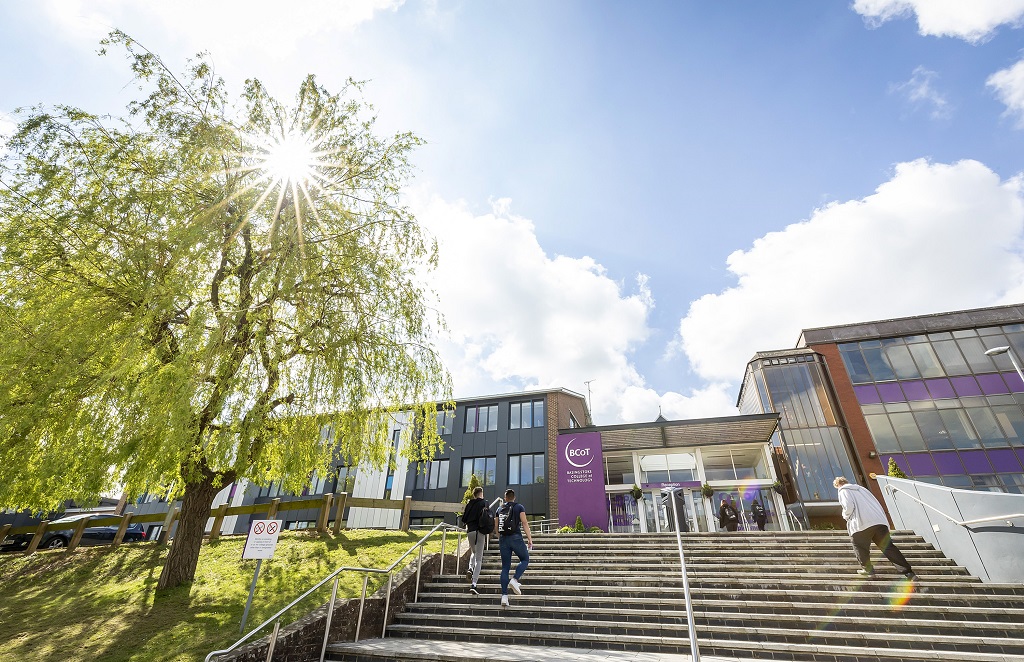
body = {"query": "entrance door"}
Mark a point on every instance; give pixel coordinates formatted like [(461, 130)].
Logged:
[(745, 496), (623, 514), (689, 510)]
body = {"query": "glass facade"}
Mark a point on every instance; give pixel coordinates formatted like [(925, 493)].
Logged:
[(795, 386), (945, 411)]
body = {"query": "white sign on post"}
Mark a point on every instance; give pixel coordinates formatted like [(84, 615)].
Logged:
[(262, 539)]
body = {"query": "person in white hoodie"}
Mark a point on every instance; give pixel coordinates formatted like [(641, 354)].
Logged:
[(866, 523)]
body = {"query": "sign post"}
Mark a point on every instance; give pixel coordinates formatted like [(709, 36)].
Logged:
[(259, 545)]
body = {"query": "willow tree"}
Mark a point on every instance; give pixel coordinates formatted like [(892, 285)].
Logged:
[(206, 290)]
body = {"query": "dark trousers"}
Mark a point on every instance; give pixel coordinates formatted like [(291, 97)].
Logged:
[(878, 534)]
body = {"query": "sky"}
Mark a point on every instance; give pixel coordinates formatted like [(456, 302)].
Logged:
[(633, 198)]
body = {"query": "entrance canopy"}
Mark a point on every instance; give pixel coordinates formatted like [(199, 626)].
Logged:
[(754, 428)]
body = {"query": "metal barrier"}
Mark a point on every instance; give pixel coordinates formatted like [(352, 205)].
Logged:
[(336, 576), (793, 519)]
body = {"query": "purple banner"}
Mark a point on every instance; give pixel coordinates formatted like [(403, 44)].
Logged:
[(581, 480)]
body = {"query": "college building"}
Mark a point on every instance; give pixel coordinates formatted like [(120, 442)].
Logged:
[(939, 394)]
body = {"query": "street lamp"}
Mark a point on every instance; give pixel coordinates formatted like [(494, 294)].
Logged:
[(1006, 350)]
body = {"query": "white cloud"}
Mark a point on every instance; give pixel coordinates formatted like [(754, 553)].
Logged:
[(935, 237), (521, 319), (1009, 88), (920, 91), (970, 20), (7, 126)]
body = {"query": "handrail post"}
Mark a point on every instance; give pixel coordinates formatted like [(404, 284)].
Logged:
[(694, 650), (330, 616), (273, 641), (362, 599), (444, 537), (419, 569), (387, 604), (458, 549)]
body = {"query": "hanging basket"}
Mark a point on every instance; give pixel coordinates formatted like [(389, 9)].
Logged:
[(707, 491), (636, 493), (777, 486)]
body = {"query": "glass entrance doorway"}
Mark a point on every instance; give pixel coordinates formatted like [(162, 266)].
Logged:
[(658, 513), (743, 498)]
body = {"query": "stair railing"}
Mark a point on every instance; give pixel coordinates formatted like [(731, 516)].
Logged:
[(964, 523), (336, 576), (694, 650), (795, 520)]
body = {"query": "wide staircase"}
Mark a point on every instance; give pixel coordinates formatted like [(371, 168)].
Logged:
[(758, 595)]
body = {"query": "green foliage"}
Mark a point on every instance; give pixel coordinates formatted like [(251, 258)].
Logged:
[(579, 528), (636, 492), (172, 315), (894, 470), (566, 529), (595, 529), (707, 491), (474, 483)]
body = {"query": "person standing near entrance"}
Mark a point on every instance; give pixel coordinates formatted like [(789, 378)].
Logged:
[(511, 523), (866, 523), (728, 516), (760, 516), (472, 517)]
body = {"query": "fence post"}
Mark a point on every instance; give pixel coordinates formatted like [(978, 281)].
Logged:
[(3, 532), (272, 511), (218, 521), (325, 514), (76, 537), (121, 528), (37, 537), (339, 511), (165, 532), (406, 513)]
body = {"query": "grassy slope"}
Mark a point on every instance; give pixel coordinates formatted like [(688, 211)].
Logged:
[(101, 604)]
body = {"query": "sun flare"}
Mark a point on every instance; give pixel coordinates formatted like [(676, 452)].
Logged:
[(290, 160)]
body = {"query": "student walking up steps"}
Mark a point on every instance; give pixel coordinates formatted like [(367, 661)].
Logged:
[(479, 525), (511, 523)]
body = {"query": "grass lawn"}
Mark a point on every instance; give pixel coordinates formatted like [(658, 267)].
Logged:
[(102, 604)]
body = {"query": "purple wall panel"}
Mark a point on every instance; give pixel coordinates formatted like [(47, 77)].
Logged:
[(965, 386), (992, 384), (921, 464), (581, 480), (915, 390), (1020, 455), (976, 462), (866, 394), (940, 388), (890, 392), (949, 464), (1004, 461), (1012, 379)]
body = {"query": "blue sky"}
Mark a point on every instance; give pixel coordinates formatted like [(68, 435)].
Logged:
[(639, 194)]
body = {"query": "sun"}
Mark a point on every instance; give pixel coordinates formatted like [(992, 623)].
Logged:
[(290, 160)]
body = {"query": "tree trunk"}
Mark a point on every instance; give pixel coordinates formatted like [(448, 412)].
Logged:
[(180, 567)]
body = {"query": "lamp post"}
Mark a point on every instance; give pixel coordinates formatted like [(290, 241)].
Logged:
[(1009, 352)]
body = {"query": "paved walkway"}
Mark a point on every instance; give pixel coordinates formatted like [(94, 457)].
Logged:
[(444, 651)]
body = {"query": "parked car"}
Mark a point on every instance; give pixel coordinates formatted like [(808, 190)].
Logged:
[(93, 535)]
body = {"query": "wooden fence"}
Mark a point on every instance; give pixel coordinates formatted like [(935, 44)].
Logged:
[(328, 503)]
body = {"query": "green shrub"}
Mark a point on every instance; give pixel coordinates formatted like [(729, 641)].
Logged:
[(595, 529), (579, 528), (566, 529), (894, 469)]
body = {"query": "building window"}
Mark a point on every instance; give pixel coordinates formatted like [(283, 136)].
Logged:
[(389, 482), (273, 490), (526, 469), (526, 415), (427, 522), (445, 422), (432, 475), (572, 421), (482, 418), (345, 479), (481, 467)]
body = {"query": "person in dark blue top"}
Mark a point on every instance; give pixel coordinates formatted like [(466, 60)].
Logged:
[(511, 524)]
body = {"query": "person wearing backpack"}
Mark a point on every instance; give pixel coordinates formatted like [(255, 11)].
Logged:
[(511, 523), (479, 524), (728, 516)]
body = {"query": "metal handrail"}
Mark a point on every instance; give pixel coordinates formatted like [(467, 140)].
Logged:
[(335, 575), (694, 650), (795, 520), (964, 523)]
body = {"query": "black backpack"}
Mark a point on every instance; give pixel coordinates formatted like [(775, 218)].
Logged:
[(485, 524), (509, 522)]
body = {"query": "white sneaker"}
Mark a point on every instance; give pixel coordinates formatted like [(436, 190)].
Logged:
[(514, 585), (504, 601)]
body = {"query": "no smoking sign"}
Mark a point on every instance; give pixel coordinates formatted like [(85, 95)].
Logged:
[(262, 539)]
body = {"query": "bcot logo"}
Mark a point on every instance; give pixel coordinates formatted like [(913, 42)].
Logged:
[(576, 455)]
